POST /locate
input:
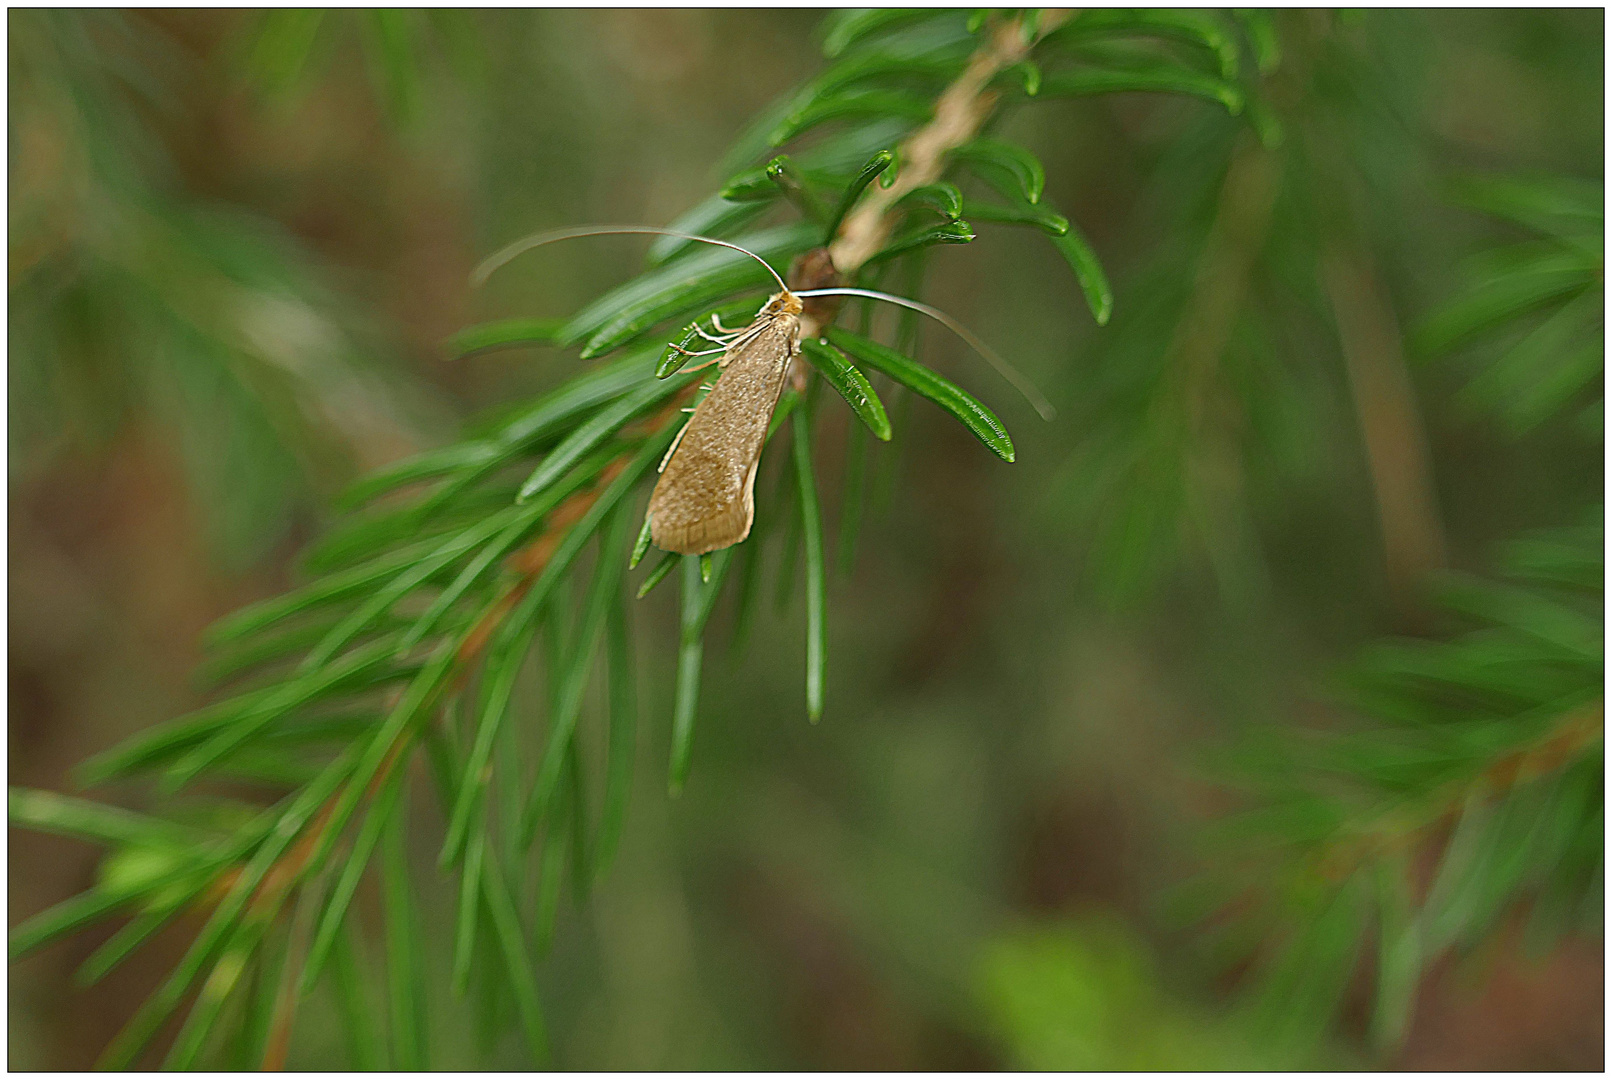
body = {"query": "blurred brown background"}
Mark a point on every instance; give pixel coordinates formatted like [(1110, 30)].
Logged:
[(1001, 752)]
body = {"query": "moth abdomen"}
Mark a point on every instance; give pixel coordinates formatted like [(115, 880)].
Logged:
[(704, 500)]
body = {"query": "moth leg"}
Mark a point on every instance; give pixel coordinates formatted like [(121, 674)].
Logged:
[(797, 371), (716, 324), (722, 340), (672, 449), (708, 363)]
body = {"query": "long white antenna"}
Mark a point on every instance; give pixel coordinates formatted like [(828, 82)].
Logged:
[(1023, 385), (494, 261)]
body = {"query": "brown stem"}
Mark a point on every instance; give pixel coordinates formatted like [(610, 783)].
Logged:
[(960, 111), (286, 997), (1390, 425), (1406, 826)]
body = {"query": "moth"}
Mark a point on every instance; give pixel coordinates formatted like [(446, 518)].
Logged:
[(705, 497)]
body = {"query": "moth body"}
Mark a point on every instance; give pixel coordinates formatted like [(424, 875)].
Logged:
[(705, 498)]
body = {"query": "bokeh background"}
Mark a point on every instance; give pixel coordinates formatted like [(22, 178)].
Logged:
[(230, 284)]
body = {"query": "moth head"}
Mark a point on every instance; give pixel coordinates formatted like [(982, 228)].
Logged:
[(781, 303)]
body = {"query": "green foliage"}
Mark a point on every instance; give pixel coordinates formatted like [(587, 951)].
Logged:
[(209, 320), (290, 47), (847, 379), (1498, 730), (1544, 299), (919, 379), (1085, 995), (1482, 749), (1216, 393)]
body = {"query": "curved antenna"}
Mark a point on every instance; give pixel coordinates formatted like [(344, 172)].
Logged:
[(1023, 385), (520, 247)]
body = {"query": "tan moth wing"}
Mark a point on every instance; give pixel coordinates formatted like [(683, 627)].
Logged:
[(705, 499)]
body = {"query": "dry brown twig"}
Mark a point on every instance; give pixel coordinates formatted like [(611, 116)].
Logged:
[(960, 112)]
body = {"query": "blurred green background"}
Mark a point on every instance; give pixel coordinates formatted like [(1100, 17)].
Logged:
[(231, 278)]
